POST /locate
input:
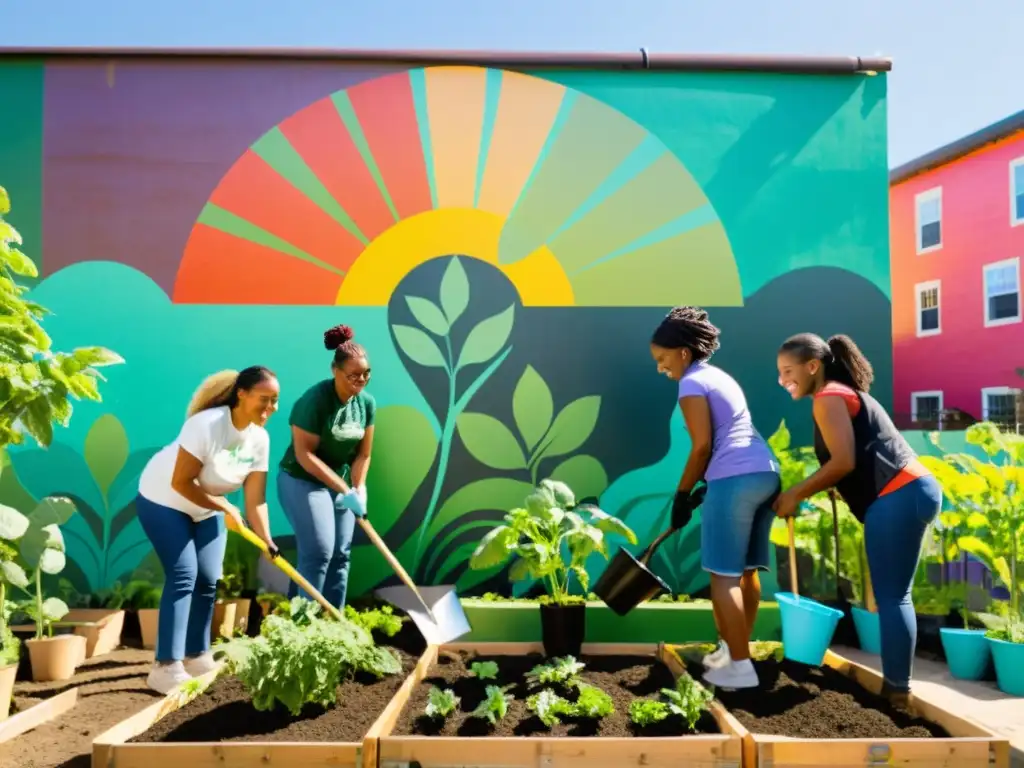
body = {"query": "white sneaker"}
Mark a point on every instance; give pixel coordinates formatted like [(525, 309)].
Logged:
[(717, 658), (735, 674), (198, 666), (164, 678)]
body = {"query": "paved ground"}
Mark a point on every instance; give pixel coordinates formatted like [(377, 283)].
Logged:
[(982, 702)]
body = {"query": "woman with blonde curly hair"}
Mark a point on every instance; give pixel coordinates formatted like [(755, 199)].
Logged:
[(222, 447)]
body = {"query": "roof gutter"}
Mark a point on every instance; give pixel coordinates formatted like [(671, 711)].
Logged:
[(642, 59)]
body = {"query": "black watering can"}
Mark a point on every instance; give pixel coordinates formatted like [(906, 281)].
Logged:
[(628, 581)]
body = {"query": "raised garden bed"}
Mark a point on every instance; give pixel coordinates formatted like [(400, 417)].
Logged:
[(220, 726), (626, 673), (64, 717), (652, 622), (800, 714)]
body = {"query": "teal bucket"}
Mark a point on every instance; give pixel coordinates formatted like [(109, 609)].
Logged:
[(967, 652), (807, 628), (1009, 660), (869, 630)]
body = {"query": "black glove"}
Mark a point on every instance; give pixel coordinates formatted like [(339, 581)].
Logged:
[(684, 504), (272, 551)]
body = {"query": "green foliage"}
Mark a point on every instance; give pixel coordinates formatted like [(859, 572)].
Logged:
[(689, 699), (563, 671), (495, 706), (300, 660), (645, 712), (440, 703), (382, 619), (592, 703), (550, 538), (484, 670), (37, 384), (549, 707), (142, 595)]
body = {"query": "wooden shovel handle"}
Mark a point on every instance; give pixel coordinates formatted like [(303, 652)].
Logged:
[(792, 557), (396, 566)]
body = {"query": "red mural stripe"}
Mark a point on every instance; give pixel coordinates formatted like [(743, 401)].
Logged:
[(255, 192), (319, 135), (218, 268), (387, 115)]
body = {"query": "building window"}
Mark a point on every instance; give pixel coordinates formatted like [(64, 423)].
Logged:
[(1017, 192), (929, 297), (926, 406), (1002, 292), (929, 220), (999, 404)]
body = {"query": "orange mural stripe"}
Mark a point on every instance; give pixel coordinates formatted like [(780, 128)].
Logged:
[(319, 135), (218, 268), (387, 115), (455, 104), (255, 192)]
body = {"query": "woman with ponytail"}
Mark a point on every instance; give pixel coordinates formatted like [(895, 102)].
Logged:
[(221, 448), (322, 482), (866, 459)]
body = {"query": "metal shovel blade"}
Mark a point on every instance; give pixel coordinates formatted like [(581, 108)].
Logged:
[(449, 621)]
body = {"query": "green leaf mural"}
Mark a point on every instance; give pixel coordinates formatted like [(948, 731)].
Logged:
[(105, 539), (420, 348), (487, 338), (573, 425), (428, 314), (490, 442), (532, 407), (584, 474), (454, 291)]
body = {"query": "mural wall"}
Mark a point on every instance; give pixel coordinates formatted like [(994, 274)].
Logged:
[(502, 242)]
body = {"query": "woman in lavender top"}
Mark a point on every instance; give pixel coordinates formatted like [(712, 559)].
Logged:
[(742, 483)]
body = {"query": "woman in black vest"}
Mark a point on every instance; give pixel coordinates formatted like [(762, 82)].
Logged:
[(870, 464)]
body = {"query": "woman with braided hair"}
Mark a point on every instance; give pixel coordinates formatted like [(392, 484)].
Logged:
[(742, 478)]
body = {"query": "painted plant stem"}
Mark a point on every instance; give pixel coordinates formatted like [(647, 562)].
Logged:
[(455, 407)]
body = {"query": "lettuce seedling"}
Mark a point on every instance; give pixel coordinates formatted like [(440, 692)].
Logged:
[(562, 671), (549, 707), (495, 706), (593, 703), (381, 619), (440, 703), (484, 670), (689, 699), (646, 712)]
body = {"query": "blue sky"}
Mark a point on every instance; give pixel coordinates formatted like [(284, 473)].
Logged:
[(957, 67)]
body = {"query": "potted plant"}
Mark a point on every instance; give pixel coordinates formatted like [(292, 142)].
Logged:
[(13, 525), (550, 539)]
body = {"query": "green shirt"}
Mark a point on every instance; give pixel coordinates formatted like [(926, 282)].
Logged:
[(341, 427)]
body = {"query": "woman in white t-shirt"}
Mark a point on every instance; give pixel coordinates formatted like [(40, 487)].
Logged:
[(222, 447)]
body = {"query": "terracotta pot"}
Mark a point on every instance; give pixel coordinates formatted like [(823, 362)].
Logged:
[(7, 675), (242, 607), (223, 619), (104, 634), (55, 658), (149, 620)]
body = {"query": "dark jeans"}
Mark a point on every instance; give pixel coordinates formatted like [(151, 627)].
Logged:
[(192, 555), (894, 530)]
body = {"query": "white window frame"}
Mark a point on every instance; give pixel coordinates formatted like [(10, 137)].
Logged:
[(930, 393), (920, 288), (1014, 165), (989, 322), (935, 193), (986, 391)]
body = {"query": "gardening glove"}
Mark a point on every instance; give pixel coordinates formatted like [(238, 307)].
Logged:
[(272, 550), (684, 504), (352, 501)]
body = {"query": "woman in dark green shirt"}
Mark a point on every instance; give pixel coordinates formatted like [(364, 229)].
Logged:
[(322, 482)]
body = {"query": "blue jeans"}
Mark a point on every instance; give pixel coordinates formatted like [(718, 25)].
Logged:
[(322, 533), (736, 522), (192, 555), (894, 530)]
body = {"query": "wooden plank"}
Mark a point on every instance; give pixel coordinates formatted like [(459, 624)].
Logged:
[(702, 751), (236, 755), (38, 714)]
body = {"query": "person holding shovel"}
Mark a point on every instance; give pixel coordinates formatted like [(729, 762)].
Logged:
[(222, 447), (742, 479), (322, 482), (866, 459)]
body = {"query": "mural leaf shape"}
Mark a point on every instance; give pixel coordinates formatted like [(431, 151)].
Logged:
[(404, 449), (52, 511), (532, 408), (487, 338), (428, 314), (106, 451), (584, 474), (573, 425), (418, 346), (454, 291), (490, 442)]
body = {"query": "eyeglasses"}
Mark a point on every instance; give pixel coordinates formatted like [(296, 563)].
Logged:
[(357, 377)]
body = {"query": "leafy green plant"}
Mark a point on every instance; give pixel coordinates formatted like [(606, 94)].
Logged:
[(484, 670), (41, 548), (550, 538), (495, 706), (37, 385), (549, 707), (564, 671), (645, 712), (382, 619), (141, 594), (689, 699), (300, 660), (592, 702), (441, 703), (13, 526)]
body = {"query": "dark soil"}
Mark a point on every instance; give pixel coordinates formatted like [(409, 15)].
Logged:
[(224, 712), (111, 688), (624, 678), (817, 703)]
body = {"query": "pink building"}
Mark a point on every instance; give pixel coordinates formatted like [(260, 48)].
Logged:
[(957, 240)]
